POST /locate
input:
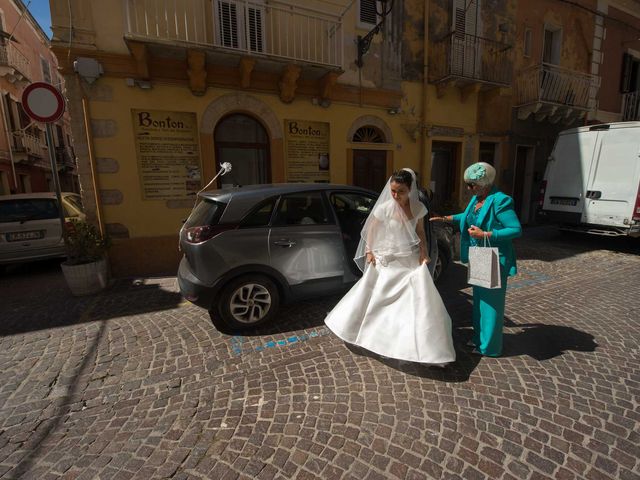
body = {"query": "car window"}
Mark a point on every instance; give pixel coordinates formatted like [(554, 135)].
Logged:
[(305, 208), (25, 209), (260, 216), (353, 204), (207, 212)]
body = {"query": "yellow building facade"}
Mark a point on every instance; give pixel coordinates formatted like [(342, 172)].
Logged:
[(334, 91)]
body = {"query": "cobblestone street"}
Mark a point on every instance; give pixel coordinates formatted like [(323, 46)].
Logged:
[(137, 383)]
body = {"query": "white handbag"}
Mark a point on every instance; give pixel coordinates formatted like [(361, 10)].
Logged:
[(484, 266)]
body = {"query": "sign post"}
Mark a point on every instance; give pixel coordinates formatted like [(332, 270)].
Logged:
[(44, 103)]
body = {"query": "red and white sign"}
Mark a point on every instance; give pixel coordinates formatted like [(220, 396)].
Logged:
[(43, 102)]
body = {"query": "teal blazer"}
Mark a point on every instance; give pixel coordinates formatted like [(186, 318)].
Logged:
[(498, 216)]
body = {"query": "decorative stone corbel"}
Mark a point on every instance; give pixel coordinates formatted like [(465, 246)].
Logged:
[(139, 52), (246, 68), (327, 83), (197, 72), (289, 82)]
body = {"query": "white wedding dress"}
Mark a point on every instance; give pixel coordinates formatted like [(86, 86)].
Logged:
[(395, 310)]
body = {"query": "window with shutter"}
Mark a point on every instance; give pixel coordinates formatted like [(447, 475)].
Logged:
[(630, 77), (255, 19), (228, 24), (368, 15), (239, 24), (46, 70)]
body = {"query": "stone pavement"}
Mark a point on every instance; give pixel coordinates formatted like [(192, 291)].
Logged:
[(136, 383)]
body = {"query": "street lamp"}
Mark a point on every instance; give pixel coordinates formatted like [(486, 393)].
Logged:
[(365, 42)]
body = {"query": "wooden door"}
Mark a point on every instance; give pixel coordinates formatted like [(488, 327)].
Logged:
[(370, 169)]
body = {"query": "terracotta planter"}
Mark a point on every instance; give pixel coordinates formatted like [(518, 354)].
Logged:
[(87, 278)]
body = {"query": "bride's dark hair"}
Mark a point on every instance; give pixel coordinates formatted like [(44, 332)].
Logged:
[(402, 176)]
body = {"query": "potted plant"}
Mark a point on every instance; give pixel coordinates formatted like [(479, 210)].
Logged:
[(86, 269)]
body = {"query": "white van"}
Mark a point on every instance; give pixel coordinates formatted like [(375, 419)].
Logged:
[(592, 180)]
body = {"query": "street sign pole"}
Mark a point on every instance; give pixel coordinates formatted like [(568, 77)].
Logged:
[(56, 181), (44, 103)]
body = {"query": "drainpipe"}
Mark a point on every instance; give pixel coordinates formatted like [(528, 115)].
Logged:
[(425, 83), (86, 116), (5, 118)]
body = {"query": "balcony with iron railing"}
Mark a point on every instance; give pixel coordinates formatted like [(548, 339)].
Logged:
[(278, 30), (549, 90), (631, 106), (469, 59), (14, 65), (28, 144), (65, 156)]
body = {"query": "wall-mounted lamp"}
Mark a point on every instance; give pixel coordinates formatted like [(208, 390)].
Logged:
[(365, 42), (135, 82)]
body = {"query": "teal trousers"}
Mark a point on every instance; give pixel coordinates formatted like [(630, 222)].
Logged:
[(488, 317)]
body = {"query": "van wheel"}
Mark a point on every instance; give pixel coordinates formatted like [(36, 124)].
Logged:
[(442, 262), (248, 301)]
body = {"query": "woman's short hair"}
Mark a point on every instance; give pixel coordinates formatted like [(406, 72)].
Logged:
[(480, 173), (402, 176)]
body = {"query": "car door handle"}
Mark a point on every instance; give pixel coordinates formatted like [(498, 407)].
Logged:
[(283, 242), (594, 194)]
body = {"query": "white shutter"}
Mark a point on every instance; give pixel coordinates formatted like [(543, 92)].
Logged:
[(367, 13), (228, 24), (465, 50), (240, 25), (255, 25)]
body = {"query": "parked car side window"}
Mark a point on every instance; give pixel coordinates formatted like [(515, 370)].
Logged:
[(305, 208), (261, 216)]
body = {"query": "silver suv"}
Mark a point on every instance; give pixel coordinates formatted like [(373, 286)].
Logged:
[(30, 225), (248, 249)]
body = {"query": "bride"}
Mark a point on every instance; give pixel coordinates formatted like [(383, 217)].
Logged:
[(395, 310)]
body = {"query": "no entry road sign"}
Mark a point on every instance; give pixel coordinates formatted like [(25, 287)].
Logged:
[(43, 102)]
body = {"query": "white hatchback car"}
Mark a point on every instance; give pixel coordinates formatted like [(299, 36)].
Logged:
[(30, 225)]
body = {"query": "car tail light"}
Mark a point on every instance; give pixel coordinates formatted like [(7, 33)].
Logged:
[(636, 208), (205, 232), (541, 192)]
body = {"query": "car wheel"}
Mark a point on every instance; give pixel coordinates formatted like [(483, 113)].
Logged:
[(442, 262), (248, 301)]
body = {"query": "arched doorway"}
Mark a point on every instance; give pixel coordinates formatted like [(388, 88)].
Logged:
[(369, 166), (242, 141)]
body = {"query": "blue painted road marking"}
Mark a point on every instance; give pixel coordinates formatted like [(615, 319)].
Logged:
[(237, 342)]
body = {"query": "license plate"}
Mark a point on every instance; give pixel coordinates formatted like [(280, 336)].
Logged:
[(20, 236), (564, 201)]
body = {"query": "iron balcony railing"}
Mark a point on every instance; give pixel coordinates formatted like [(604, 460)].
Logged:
[(631, 106), (551, 84), (65, 156), (30, 144), (279, 30), (473, 58), (10, 56)]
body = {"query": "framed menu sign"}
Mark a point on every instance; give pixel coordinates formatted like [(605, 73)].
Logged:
[(167, 152), (307, 150)]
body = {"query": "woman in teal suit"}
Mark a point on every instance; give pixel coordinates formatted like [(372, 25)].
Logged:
[(489, 214)]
